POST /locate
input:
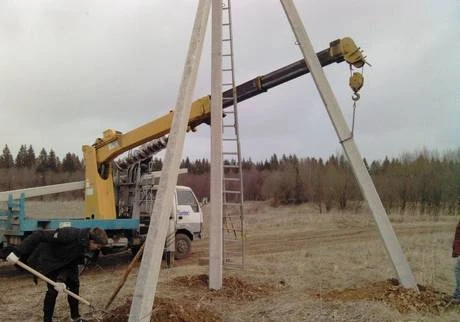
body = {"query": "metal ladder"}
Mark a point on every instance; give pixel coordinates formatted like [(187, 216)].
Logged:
[(232, 201)]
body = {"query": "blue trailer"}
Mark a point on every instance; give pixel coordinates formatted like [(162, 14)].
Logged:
[(15, 225)]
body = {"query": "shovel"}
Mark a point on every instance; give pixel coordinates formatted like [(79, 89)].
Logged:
[(12, 258)]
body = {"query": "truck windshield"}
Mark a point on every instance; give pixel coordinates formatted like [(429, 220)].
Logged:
[(186, 198)]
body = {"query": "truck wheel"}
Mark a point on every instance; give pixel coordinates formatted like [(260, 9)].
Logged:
[(183, 246)]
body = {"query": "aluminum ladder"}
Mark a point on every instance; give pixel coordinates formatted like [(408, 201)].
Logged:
[(232, 202)]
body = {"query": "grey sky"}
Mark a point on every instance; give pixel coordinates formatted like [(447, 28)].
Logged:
[(71, 69)]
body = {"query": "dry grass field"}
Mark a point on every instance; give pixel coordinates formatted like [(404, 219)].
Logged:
[(300, 266)]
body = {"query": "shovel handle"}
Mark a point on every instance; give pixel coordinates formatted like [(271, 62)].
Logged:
[(16, 261)]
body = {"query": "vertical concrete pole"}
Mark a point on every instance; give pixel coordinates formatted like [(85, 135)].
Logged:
[(144, 293), (387, 233), (215, 217)]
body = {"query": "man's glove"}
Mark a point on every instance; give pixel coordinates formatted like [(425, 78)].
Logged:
[(60, 287)]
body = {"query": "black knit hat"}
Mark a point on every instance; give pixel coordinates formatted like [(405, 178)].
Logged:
[(99, 236)]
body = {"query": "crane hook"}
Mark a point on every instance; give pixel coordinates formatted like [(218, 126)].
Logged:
[(355, 97)]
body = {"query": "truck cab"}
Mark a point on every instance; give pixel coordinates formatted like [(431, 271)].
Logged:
[(188, 220), (136, 189)]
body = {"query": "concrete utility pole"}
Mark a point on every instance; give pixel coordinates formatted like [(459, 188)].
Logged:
[(144, 293), (215, 218), (346, 139)]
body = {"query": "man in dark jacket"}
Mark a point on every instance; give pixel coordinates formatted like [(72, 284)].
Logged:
[(456, 253), (57, 254)]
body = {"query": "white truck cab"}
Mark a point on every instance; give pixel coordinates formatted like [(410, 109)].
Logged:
[(188, 219)]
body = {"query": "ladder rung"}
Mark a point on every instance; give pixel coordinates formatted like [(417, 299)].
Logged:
[(233, 265), (226, 55), (233, 229), (230, 218), (233, 125), (224, 8), (234, 242), (229, 153), (237, 258), (226, 24), (234, 253), (229, 112), (231, 166), (232, 191), (233, 262), (227, 84), (232, 179), (227, 98), (228, 139), (232, 204), (227, 69)]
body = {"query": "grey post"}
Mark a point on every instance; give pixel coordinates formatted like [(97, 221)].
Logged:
[(215, 217), (387, 233), (147, 279)]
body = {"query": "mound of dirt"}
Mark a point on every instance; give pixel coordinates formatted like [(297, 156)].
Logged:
[(232, 287), (393, 294), (186, 310), (164, 309)]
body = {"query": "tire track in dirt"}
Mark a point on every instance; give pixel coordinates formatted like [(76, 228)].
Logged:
[(258, 244)]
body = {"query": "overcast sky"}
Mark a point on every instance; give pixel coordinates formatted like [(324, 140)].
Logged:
[(71, 69)]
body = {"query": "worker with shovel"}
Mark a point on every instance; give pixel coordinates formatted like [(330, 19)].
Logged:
[(56, 255)]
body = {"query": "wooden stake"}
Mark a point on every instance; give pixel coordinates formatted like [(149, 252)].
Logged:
[(125, 276)]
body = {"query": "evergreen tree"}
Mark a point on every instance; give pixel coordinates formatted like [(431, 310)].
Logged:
[(70, 163), (30, 160), (42, 161), (21, 157), (6, 159), (185, 163), (274, 164), (52, 161)]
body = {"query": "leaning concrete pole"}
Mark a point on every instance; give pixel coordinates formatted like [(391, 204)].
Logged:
[(215, 218), (144, 293), (365, 182)]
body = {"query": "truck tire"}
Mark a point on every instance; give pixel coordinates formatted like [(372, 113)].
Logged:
[(183, 246)]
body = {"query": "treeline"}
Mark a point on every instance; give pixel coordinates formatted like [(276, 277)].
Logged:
[(27, 169), (422, 181)]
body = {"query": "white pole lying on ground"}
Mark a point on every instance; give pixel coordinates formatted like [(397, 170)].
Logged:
[(43, 190), (12, 258)]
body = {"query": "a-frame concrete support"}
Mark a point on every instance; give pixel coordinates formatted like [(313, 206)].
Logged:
[(144, 293), (387, 233)]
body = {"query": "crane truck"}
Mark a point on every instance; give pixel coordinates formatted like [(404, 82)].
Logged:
[(119, 193)]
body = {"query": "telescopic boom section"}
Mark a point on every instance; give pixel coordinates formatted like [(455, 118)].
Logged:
[(99, 195), (339, 50)]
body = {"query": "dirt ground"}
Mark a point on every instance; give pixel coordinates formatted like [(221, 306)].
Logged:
[(300, 266)]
